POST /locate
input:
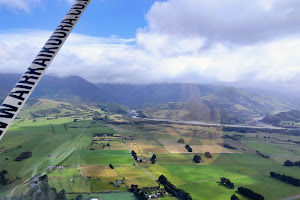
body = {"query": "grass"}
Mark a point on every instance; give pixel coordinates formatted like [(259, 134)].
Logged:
[(109, 196), (72, 147), (133, 175), (60, 179), (90, 157)]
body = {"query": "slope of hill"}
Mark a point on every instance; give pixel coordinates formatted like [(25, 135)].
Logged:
[(229, 106), (194, 102), (290, 119), (154, 94), (72, 89), (52, 109)]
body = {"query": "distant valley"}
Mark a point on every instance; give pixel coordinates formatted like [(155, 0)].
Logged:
[(176, 101)]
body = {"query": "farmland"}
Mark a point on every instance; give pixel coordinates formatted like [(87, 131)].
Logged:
[(74, 153)]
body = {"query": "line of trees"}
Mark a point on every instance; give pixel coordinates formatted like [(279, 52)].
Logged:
[(171, 189), (287, 179), (197, 159), (153, 159), (290, 163), (3, 180), (134, 155), (262, 155), (138, 192), (249, 193), (188, 148), (227, 182), (228, 146)]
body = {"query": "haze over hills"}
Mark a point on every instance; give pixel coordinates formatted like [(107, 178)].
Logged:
[(182, 101), (290, 119)]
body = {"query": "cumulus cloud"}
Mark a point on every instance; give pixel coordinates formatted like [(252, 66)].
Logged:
[(164, 59), (186, 41), (242, 22), (24, 5)]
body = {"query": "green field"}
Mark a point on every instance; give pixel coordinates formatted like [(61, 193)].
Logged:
[(87, 171)]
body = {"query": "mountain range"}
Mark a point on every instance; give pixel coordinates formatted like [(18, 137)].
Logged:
[(182, 101)]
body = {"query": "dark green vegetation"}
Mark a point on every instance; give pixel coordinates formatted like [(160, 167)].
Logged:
[(288, 179), (3, 180), (153, 159), (170, 188), (284, 119), (197, 158), (188, 148), (249, 193), (289, 163), (227, 182)]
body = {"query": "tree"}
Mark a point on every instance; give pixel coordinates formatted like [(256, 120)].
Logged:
[(233, 197), (288, 163), (197, 158), (153, 159), (111, 166), (249, 193), (181, 140)]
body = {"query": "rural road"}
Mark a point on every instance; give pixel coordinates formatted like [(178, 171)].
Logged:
[(212, 124), (136, 164), (293, 198)]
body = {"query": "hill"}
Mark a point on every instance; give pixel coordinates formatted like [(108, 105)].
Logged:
[(229, 106), (180, 101), (72, 89), (284, 119), (155, 94)]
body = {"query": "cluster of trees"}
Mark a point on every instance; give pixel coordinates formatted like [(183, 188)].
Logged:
[(23, 156), (230, 137), (234, 197), (188, 148), (249, 193), (287, 179), (103, 134), (3, 180), (290, 163), (171, 189), (153, 159), (197, 159), (208, 155), (111, 166), (228, 146), (257, 130), (138, 192), (181, 140), (262, 155), (134, 155), (227, 182)]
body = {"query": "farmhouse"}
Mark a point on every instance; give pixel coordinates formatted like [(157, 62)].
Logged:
[(141, 159)]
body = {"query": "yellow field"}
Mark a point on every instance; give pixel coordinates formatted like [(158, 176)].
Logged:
[(133, 175), (98, 171)]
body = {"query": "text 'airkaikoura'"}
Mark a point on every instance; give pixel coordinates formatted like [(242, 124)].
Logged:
[(25, 86)]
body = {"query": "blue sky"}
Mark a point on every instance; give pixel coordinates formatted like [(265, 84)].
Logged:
[(103, 17), (153, 41)]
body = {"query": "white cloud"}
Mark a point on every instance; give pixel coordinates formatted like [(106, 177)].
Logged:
[(154, 58), (175, 48), (24, 5), (242, 22)]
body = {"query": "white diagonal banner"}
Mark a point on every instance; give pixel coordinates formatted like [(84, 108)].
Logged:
[(25, 86)]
